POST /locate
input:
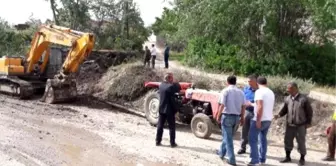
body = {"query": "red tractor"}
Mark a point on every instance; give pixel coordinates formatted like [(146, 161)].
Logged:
[(197, 107)]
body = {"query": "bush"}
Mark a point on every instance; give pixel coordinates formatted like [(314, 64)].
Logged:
[(306, 61), (177, 56), (279, 84)]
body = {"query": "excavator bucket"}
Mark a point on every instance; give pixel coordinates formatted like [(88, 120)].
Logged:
[(60, 91)]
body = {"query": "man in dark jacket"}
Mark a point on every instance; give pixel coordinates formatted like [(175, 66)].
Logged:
[(147, 56), (299, 117), (167, 108), (166, 55)]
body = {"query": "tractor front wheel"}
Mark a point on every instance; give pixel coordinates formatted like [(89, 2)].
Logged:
[(201, 126)]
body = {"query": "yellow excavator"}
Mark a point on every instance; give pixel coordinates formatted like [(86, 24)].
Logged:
[(23, 77)]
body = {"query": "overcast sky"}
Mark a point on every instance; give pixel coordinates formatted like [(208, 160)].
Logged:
[(19, 11)]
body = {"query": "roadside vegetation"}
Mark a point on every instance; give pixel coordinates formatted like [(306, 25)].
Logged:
[(287, 40)]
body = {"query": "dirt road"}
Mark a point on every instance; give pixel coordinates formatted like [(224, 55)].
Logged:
[(92, 133), (34, 133)]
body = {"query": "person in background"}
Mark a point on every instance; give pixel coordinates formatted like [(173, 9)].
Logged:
[(331, 140), (263, 114), (249, 96), (167, 108), (147, 56), (231, 110), (299, 117), (153, 55), (166, 55)]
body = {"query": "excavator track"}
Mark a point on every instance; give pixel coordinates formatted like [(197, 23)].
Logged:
[(55, 91), (16, 87)]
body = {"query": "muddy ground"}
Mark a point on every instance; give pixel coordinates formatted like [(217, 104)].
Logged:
[(92, 133), (89, 132)]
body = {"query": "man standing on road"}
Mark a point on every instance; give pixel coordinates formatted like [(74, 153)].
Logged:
[(167, 108), (263, 114), (249, 96), (299, 117), (331, 140), (147, 56), (166, 55), (153, 54), (231, 109)]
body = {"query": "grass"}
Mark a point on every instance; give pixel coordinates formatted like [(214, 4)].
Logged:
[(176, 56), (278, 83)]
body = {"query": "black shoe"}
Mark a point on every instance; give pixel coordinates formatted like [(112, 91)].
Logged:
[(328, 159), (250, 164), (221, 157), (241, 151), (286, 160), (227, 161), (173, 145), (158, 144), (302, 162)]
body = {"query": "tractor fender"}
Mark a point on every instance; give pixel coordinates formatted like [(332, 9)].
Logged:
[(152, 84)]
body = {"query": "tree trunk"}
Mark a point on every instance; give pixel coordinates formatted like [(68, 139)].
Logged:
[(53, 8)]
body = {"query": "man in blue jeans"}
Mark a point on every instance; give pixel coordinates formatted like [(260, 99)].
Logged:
[(231, 109), (249, 96), (263, 115)]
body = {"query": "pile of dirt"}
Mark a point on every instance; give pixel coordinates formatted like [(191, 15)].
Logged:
[(107, 77), (108, 58), (124, 84), (96, 65)]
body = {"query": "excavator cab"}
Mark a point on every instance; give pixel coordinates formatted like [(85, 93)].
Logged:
[(44, 67), (56, 59)]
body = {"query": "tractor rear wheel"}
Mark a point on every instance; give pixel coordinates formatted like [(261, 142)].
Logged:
[(151, 106), (201, 126)]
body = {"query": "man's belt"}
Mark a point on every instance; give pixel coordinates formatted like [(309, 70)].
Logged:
[(226, 114)]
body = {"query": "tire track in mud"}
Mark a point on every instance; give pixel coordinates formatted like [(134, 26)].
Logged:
[(105, 136), (21, 157), (37, 133)]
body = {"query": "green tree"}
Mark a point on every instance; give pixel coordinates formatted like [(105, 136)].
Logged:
[(244, 36)]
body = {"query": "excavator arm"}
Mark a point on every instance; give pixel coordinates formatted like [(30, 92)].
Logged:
[(63, 86)]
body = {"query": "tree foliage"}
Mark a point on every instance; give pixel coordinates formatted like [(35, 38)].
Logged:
[(116, 25), (13, 42), (255, 36)]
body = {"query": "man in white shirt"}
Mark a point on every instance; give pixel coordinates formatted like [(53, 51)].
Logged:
[(153, 54), (263, 115)]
